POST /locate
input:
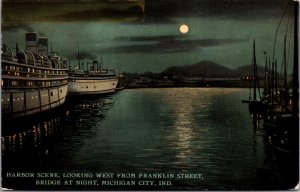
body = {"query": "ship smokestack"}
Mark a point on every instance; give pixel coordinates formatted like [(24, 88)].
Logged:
[(43, 46), (31, 42)]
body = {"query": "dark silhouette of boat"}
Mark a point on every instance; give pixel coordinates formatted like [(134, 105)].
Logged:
[(256, 106), (282, 117)]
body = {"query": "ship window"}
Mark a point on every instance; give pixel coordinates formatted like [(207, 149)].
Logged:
[(87, 87), (29, 83), (61, 91), (14, 83), (51, 93)]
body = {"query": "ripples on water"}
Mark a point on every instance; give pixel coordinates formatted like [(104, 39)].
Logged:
[(189, 130)]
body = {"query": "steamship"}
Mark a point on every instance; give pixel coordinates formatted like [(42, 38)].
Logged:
[(93, 80), (32, 81)]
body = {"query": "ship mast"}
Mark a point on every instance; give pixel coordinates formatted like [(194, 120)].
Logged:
[(285, 75), (78, 58), (254, 71), (295, 67)]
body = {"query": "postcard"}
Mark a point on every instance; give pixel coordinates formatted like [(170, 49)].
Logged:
[(114, 95)]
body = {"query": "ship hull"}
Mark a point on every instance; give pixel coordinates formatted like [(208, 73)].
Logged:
[(21, 102), (89, 86)]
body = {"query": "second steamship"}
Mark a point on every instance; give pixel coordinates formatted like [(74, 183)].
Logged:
[(93, 80)]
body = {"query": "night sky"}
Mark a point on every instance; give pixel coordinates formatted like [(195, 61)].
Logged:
[(131, 40)]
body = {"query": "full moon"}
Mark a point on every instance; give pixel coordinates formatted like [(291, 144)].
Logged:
[(184, 28)]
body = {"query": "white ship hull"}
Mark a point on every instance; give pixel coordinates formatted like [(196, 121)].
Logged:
[(27, 102), (92, 86)]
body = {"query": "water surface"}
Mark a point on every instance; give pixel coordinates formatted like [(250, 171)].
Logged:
[(204, 131)]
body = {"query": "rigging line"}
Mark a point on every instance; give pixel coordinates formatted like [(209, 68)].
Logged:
[(288, 20), (284, 55), (252, 70), (288, 3), (282, 64), (288, 34), (289, 52), (289, 44)]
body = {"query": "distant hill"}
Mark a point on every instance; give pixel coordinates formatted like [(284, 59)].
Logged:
[(201, 69), (211, 69)]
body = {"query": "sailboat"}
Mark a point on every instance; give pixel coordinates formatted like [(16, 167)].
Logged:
[(288, 110), (256, 106), (282, 120)]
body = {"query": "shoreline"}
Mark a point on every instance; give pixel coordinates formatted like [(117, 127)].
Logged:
[(150, 87)]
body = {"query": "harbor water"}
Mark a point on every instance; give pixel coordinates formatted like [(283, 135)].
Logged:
[(193, 131)]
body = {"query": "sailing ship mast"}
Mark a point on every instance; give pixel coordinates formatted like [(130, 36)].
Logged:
[(255, 106), (78, 57), (295, 97), (255, 75), (254, 71), (285, 74)]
